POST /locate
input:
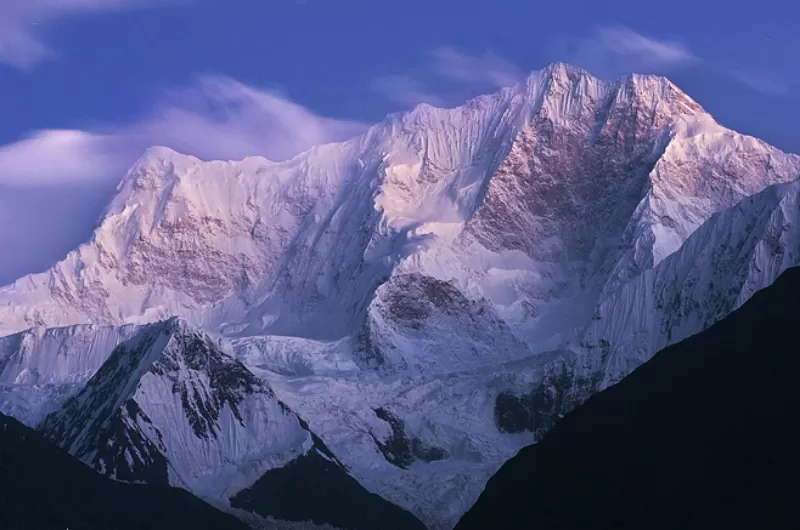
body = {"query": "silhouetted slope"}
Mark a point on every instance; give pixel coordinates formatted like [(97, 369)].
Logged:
[(316, 488), (42, 487), (705, 435)]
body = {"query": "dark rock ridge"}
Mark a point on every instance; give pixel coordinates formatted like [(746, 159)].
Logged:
[(229, 381), (42, 487), (402, 451), (704, 435), (317, 487), (536, 411)]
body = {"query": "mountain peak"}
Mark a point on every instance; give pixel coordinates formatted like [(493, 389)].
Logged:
[(155, 164), (558, 78), (655, 86), (561, 69), (156, 157)]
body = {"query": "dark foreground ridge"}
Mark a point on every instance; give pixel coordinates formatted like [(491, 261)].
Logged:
[(316, 487), (705, 435), (42, 487)]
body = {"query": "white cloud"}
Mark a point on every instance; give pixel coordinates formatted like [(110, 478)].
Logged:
[(449, 77), (23, 24), (216, 118), (610, 51), (56, 156)]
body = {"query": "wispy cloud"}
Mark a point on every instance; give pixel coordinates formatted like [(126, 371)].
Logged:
[(448, 76), (610, 51), (486, 69), (24, 23), (221, 118), (216, 118), (768, 84), (614, 50)]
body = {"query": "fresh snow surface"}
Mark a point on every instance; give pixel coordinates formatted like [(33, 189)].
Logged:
[(562, 226)]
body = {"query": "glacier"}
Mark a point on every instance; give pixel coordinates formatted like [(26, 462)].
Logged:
[(453, 280)]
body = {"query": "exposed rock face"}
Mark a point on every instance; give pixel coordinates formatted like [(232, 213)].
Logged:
[(578, 168), (401, 450), (424, 311), (558, 392)]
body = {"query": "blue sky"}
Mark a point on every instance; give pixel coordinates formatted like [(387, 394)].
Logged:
[(86, 85)]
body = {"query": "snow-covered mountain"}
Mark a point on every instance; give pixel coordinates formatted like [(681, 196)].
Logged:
[(424, 295), (734, 254), (531, 198), (166, 404)]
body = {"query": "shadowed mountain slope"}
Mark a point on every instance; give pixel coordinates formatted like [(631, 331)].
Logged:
[(42, 487), (704, 435)]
